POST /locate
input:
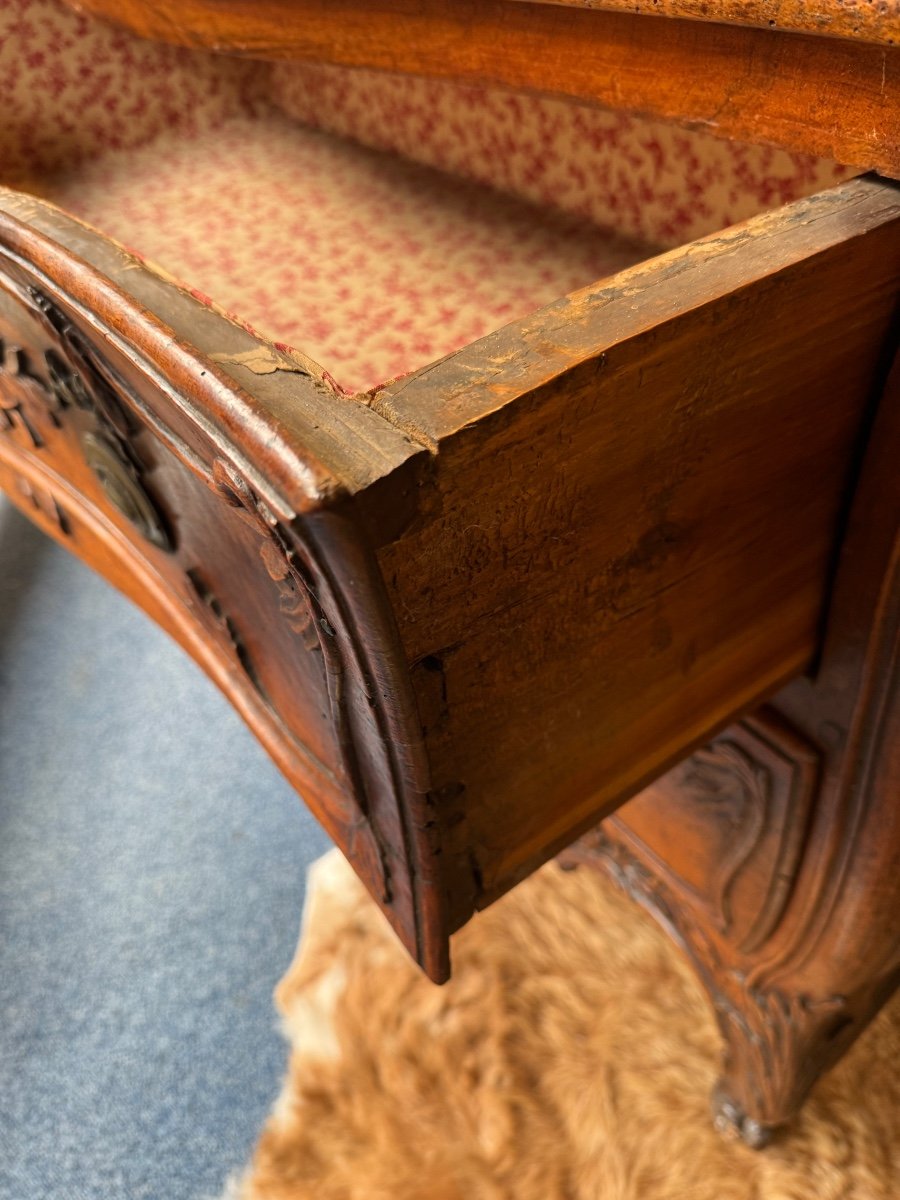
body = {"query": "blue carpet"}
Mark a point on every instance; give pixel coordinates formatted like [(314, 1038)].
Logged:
[(152, 868)]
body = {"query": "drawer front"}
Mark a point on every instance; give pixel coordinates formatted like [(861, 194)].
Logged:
[(143, 456)]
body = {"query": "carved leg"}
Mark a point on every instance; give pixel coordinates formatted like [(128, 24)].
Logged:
[(792, 1008), (793, 975), (773, 854)]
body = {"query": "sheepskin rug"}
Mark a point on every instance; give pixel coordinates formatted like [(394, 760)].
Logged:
[(570, 1058)]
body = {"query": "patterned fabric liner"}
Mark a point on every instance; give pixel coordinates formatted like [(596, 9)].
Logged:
[(377, 222)]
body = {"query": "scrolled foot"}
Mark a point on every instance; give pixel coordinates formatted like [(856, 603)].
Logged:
[(568, 859), (732, 1122)]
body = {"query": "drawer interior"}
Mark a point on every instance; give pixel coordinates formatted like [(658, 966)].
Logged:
[(562, 530), (378, 222)]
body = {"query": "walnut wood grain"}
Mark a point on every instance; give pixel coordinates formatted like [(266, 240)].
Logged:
[(834, 98), (861, 19), (625, 536)]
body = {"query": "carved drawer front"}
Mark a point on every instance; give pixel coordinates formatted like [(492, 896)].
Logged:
[(90, 463), (472, 612), (108, 450)]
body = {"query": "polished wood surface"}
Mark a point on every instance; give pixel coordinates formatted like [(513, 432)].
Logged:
[(834, 98), (855, 19)]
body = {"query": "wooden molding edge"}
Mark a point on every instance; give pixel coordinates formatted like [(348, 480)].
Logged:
[(833, 97), (118, 430), (855, 19)]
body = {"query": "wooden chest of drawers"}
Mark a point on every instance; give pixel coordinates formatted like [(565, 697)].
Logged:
[(473, 611)]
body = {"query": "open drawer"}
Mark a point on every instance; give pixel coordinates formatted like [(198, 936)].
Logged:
[(472, 610)]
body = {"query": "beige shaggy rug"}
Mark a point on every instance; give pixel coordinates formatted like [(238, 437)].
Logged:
[(570, 1058)]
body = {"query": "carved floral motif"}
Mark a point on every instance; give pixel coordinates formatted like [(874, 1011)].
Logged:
[(20, 390), (296, 599), (72, 377), (258, 606)]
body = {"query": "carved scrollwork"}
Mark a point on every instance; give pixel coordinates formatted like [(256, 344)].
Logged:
[(738, 810), (77, 378), (292, 570), (298, 602), (67, 388), (226, 628), (271, 583), (291, 582), (20, 390), (765, 1028), (122, 487), (45, 504), (72, 377), (734, 790)]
